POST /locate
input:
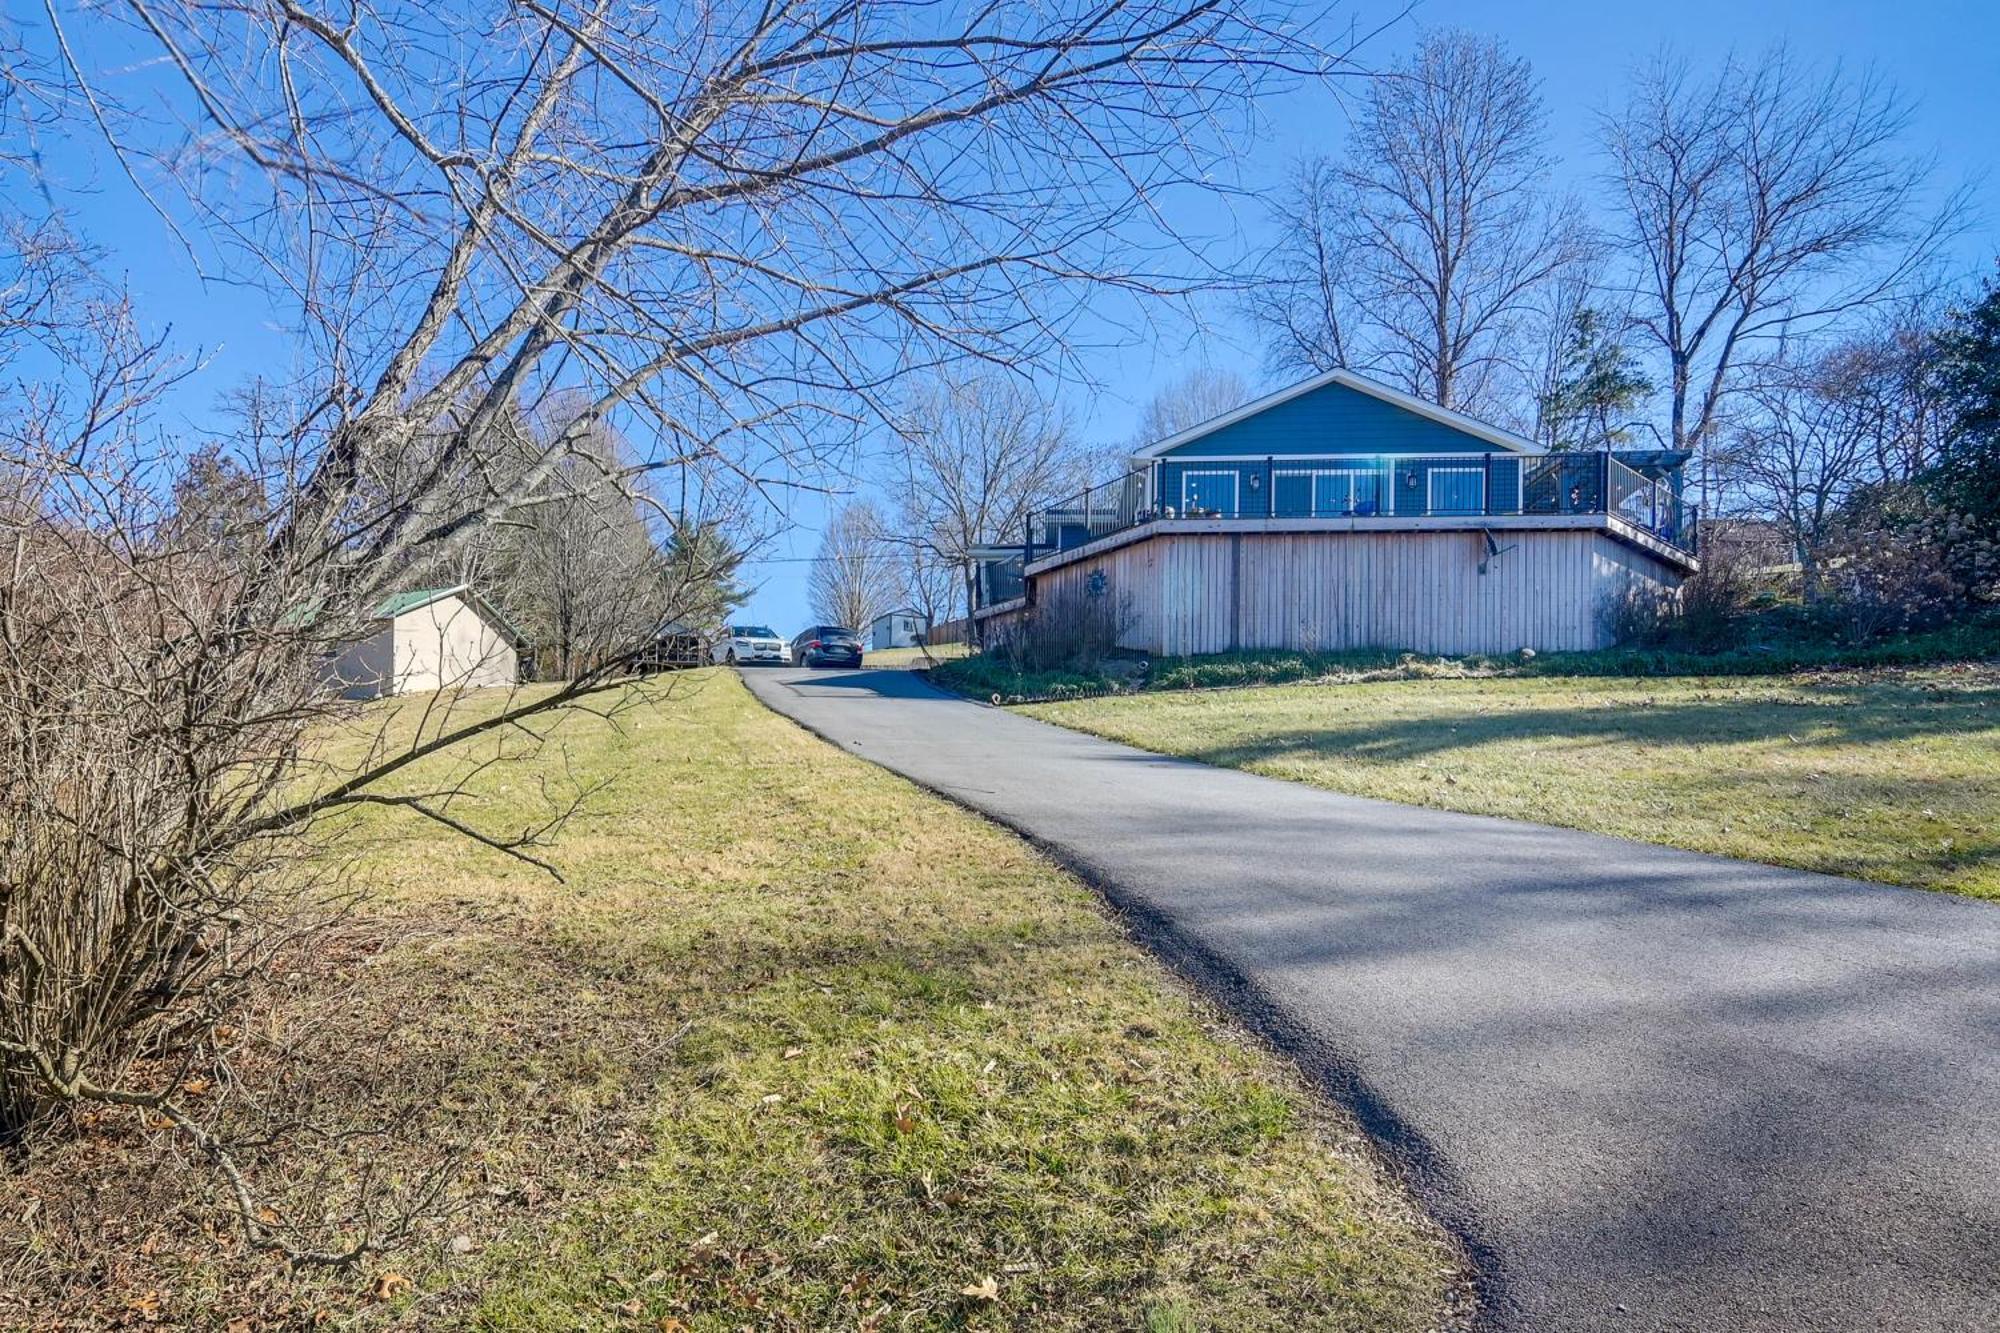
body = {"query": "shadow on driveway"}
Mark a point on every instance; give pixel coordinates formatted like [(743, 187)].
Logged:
[(1653, 1090)]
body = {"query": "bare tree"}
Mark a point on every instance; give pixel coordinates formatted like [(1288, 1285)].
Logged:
[(1188, 400), (1304, 301), (723, 230), (1757, 204), (971, 459), (1889, 367), (578, 567), (855, 576), (1805, 451), (1197, 396), (1419, 253), (925, 583)]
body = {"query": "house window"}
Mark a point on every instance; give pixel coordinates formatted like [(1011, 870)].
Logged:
[(1349, 491), (1209, 492), (1292, 494), (1457, 490), (1329, 493)]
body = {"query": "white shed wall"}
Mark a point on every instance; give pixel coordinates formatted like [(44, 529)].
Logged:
[(449, 644), (895, 631)]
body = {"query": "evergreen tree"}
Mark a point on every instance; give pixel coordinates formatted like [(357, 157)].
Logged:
[(1966, 480), (700, 568), (1597, 384)]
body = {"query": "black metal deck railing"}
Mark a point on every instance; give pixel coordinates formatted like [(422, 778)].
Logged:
[(1384, 487)]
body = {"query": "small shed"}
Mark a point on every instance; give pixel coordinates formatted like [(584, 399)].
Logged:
[(429, 639), (901, 628)]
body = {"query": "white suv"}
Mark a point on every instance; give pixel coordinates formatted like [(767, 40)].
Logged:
[(749, 644)]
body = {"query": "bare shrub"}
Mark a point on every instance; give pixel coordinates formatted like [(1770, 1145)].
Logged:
[(1638, 615), (163, 805), (1716, 602), (1068, 630), (1971, 550), (1880, 580), (1707, 613)]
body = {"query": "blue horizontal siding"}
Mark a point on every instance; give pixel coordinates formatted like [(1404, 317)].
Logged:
[(1334, 419), (1409, 483)]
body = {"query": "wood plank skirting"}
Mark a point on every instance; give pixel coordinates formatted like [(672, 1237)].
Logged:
[(999, 619), (1181, 592)]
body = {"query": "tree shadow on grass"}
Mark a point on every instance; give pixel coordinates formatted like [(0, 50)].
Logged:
[(1831, 717), (1755, 1097)]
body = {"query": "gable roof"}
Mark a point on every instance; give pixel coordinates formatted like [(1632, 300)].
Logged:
[(1346, 379), (416, 599)]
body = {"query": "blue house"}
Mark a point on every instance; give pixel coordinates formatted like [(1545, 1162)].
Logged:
[(1341, 513)]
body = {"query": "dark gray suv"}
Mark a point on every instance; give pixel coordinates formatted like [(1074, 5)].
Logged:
[(826, 645)]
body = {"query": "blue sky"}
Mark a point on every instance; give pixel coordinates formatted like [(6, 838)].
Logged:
[(1944, 56)]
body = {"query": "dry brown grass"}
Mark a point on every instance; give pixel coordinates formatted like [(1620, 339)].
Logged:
[(795, 1046)]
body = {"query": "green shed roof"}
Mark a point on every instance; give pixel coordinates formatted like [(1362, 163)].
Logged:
[(417, 598), (395, 604), (398, 602)]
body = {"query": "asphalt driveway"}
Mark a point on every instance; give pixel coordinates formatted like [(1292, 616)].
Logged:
[(1650, 1089)]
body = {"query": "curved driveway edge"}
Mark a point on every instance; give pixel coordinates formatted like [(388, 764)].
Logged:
[(1652, 1090)]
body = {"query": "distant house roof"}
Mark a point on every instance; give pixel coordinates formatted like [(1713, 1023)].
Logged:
[(1346, 379), (416, 599), (899, 611)]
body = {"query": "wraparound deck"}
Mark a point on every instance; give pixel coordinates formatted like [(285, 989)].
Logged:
[(1385, 493), (1613, 524)]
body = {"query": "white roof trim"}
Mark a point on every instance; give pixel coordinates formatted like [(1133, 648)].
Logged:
[(1347, 379)]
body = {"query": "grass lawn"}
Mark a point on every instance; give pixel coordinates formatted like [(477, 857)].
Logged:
[(795, 1046), (903, 657), (989, 676), (1890, 775)]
